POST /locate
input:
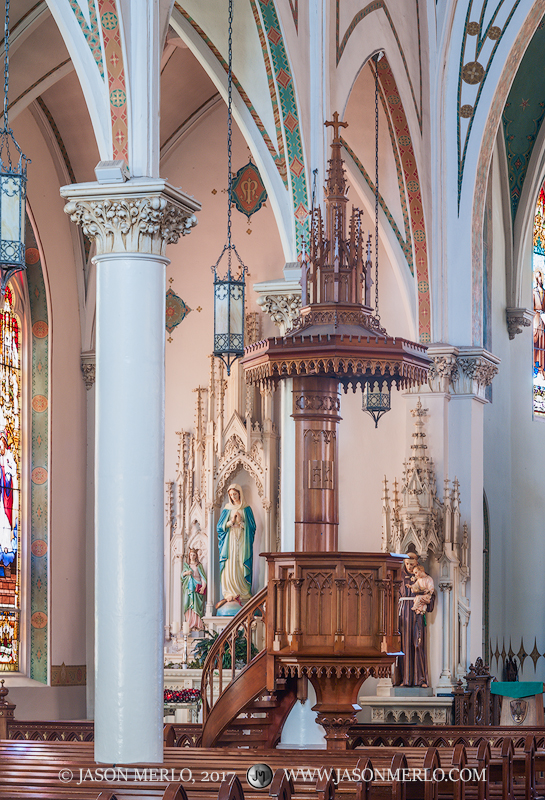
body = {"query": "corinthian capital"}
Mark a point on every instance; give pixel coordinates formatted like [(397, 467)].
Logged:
[(443, 368), (142, 215), (477, 370), (281, 299), (460, 370), (283, 309)]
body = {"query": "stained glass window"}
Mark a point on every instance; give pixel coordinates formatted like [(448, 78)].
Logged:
[(10, 462)]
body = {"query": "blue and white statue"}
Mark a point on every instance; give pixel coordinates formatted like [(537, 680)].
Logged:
[(236, 532)]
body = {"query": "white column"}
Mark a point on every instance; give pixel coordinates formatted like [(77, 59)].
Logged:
[(445, 681), (476, 370), (131, 223), (129, 506)]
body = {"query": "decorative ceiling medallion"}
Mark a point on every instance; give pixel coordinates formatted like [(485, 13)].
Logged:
[(466, 111), (494, 32), (473, 28), (38, 620), (249, 193), (38, 548), (32, 256), (473, 72), (176, 311)]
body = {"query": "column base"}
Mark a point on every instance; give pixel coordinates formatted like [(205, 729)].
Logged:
[(385, 687), (444, 684)]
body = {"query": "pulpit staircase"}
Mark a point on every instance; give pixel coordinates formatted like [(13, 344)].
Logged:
[(238, 711)]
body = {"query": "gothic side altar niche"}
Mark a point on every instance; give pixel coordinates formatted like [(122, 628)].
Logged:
[(417, 522), (234, 440)]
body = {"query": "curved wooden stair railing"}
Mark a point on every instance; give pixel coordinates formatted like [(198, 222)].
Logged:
[(238, 711)]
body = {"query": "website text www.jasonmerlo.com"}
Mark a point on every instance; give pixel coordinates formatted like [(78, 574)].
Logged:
[(437, 775)]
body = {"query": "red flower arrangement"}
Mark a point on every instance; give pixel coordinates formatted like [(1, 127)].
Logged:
[(182, 695)]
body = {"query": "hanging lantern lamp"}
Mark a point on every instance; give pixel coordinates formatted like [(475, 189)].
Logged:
[(376, 397), (229, 290), (12, 187)]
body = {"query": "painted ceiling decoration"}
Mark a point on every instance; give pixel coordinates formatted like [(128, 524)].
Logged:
[(404, 239), (523, 114), (113, 51), (112, 57), (272, 89), (42, 80), (58, 139), (248, 191), (276, 153), (488, 141), (289, 158), (290, 117), (176, 311), (380, 5), (86, 16), (484, 27)]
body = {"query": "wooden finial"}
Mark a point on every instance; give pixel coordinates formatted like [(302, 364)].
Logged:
[(335, 124)]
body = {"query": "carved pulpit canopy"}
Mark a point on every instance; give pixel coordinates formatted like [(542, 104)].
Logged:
[(338, 336)]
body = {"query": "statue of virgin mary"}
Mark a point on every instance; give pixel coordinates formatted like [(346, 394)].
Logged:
[(236, 531)]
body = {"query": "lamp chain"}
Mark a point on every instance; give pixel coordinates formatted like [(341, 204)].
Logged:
[(314, 177), (229, 131), (6, 65), (375, 58)]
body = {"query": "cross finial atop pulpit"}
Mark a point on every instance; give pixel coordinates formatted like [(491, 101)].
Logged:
[(335, 124)]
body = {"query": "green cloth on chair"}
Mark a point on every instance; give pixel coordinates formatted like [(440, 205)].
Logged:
[(516, 688)]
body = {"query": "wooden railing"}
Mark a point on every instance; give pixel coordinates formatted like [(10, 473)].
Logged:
[(51, 731), (248, 625)]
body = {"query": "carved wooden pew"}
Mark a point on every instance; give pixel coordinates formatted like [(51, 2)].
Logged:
[(418, 761), (37, 774), (224, 759), (525, 776)]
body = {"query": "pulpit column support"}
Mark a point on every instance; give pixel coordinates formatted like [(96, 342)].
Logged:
[(316, 406)]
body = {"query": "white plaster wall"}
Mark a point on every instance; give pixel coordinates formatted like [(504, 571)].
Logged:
[(360, 135), (248, 64), (48, 702), (199, 165)]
